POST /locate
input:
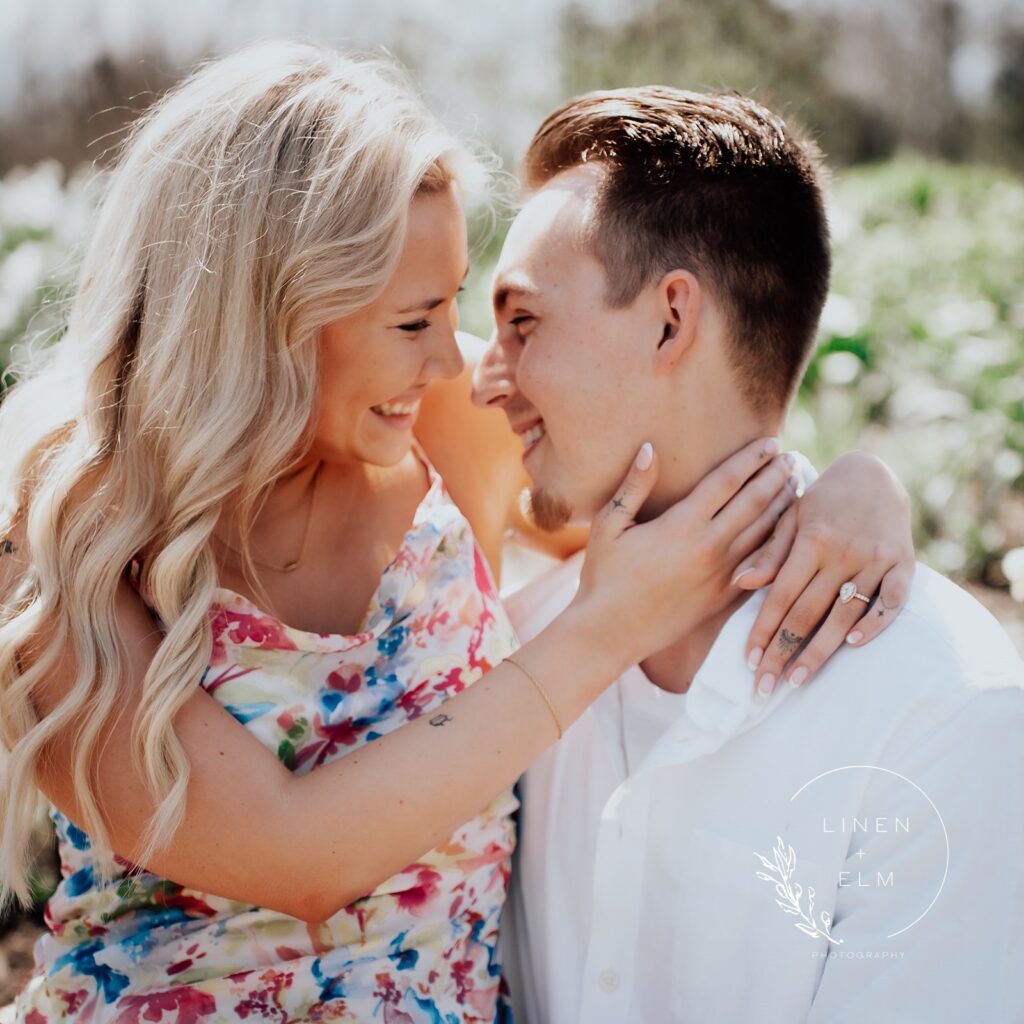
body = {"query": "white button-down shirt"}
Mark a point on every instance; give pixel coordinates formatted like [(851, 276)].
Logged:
[(670, 844)]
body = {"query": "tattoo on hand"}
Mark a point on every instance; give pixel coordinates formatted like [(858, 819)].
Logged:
[(789, 642), (7, 547), (441, 719), (618, 503), (886, 607)]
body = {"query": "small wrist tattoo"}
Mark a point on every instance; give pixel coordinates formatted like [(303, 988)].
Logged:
[(441, 719)]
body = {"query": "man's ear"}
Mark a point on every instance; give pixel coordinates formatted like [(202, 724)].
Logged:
[(680, 297)]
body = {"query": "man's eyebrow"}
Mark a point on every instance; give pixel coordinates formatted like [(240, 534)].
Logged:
[(504, 291), (428, 304)]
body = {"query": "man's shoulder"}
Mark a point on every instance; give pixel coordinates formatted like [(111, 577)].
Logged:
[(950, 633), (945, 660)]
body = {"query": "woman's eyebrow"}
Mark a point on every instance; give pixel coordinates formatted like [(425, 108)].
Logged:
[(424, 306), (428, 304)]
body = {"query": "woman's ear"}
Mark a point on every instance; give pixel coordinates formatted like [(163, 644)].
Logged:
[(680, 297)]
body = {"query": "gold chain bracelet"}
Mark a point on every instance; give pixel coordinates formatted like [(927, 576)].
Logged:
[(540, 689)]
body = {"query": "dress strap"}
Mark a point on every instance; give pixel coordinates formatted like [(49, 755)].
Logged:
[(417, 450)]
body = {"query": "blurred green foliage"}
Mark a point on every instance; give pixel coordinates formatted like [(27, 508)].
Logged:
[(921, 351)]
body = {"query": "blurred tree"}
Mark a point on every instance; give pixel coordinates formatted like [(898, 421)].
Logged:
[(88, 117), (753, 46), (1006, 131)]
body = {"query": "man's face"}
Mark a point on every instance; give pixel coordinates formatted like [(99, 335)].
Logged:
[(575, 377)]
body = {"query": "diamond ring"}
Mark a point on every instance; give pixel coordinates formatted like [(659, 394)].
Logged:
[(848, 591)]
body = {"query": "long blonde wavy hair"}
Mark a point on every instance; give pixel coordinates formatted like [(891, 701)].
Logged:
[(259, 200)]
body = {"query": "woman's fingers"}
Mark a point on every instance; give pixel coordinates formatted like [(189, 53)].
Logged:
[(794, 577), (620, 513), (757, 494), (764, 546), (842, 617), (719, 486), (892, 596), (818, 621)]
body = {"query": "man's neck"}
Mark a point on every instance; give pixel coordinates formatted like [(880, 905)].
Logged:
[(673, 667)]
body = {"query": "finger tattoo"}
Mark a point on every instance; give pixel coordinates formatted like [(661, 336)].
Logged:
[(788, 641), (618, 503)]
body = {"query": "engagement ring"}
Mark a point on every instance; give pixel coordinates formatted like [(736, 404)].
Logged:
[(848, 591)]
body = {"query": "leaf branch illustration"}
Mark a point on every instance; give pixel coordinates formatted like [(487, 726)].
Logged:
[(781, 869)]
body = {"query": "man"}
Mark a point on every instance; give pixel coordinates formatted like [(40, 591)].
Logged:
[(689, 850)]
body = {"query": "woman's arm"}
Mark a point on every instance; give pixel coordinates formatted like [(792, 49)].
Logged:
[(309, 845)]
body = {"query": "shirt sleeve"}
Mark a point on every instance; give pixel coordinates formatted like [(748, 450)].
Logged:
[(806, 469), (962, 960)]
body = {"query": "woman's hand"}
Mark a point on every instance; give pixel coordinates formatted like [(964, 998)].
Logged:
[(853, 524), (643, 587)]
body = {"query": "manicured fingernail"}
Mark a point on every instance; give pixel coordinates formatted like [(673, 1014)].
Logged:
[(770, 447), (766, 685), (754, 658), (855, 637), (740, 575), (799, 676), (645, 456)]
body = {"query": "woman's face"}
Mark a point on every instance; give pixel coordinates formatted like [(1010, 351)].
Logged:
[(376, 363)]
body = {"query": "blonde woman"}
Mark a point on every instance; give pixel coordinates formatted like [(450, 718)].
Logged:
[(251, 651)]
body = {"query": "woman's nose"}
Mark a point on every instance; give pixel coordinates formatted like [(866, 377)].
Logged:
[(447, 360)]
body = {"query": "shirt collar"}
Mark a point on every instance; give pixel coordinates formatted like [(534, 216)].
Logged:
[(721, 702)]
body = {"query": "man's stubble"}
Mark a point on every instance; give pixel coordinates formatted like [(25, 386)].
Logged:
[(548, 512)]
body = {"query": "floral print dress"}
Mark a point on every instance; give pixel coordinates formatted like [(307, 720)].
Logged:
[(422, 946)]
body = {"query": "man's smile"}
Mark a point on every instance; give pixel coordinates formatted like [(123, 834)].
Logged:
[(531, 435)]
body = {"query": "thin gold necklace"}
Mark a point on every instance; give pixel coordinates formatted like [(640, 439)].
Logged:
[(295, 562)]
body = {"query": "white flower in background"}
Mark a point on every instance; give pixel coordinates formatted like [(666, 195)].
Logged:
[(840, 368), (841, 316), (21, 274), (1013, 570), (33, 198)]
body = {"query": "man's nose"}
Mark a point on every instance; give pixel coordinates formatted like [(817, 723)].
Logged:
[(494, 376)]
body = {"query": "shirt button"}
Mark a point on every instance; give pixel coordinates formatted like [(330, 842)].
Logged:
[(608, 979)]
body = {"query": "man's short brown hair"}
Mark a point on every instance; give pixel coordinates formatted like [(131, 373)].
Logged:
[(715, 184)]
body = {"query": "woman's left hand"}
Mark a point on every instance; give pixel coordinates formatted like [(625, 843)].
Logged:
[(852, 524)]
